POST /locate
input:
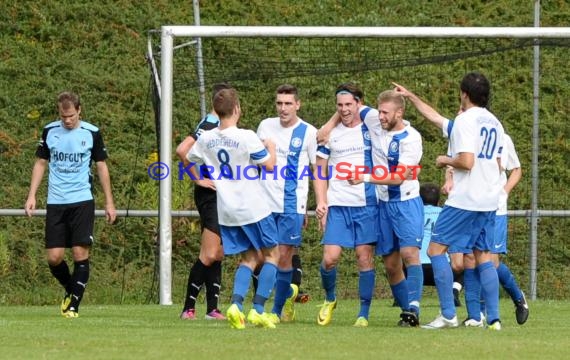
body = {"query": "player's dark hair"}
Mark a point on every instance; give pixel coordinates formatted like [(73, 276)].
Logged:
[(220, 86), (430, 194), (67, 99), (225, 102), (352, 89), (477, 88), (288, 89)]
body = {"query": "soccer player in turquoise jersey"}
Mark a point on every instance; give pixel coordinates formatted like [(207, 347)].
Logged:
[(68, 147)]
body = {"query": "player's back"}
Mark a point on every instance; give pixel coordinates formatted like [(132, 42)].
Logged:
[(479, 132), (232, 156)]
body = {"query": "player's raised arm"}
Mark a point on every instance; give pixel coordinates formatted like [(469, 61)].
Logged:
[(426, 110), (324, 132)]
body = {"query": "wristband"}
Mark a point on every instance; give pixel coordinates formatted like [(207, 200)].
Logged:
[(366, 178)]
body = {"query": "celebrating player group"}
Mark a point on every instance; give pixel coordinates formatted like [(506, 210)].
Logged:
[(374, 205)]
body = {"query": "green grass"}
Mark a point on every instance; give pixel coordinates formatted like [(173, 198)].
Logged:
[(155, 332)]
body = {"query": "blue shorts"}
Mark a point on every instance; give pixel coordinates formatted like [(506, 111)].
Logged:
[(401, 224), (349, 227), (258, 235), (289, 228), (465, 230), (500, 243)]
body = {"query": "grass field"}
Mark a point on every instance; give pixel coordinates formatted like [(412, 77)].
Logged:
[(155, 332)]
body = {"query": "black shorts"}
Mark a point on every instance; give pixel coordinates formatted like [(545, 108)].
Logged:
[(206, 204), (69, 225)]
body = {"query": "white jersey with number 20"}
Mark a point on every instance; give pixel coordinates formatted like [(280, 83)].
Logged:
[(479, 132)]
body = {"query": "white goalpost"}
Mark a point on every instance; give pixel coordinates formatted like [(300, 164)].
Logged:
[(170, 33)]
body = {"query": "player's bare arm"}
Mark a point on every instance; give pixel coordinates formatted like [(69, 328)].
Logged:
[(37, 176), (321, 185), (426, 110), (324, 132), (270, 163), (105, 180), (463, 161), (513, 179), (183, 148), (448, 185)]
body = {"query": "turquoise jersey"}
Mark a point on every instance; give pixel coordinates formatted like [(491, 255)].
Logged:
[(431, 214), (70, 153)]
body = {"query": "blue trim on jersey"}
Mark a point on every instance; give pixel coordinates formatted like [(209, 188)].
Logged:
[(295, 148), (259, 155), (369, 189), (393, 161), (323, 150), (364, 112), (449, 127)]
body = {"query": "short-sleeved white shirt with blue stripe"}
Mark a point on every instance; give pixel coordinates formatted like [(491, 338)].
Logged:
[(346, 149), (391, 148), (295, 149), (240, 199)]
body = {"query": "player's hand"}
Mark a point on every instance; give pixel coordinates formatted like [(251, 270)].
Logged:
[(442, 161), (206, 183), (322, 224), (110, 213), (30, 205), (305, 221), (321, 212), (355, 179), (446, 188), (401, 90)]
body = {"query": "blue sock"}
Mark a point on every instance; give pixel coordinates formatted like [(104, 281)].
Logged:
[(242, 278), (400, 293), (282, 289), (264, 287), (482, 301), (415, 286), (443, 277), (328, 279), (472, 293), (508, 282), (490, 289), (366, 281)]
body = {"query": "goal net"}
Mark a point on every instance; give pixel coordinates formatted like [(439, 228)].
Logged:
[(429, 62)]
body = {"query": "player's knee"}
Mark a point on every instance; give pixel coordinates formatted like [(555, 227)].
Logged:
[(329, 262)]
